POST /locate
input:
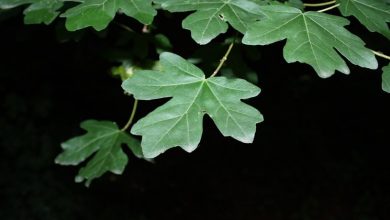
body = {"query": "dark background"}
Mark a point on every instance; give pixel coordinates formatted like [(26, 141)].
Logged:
[(321, 153)]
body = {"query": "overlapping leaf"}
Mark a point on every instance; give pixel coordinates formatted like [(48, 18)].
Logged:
[(99, 13), (386, 78), (39, 11), (179, 121), (312, 38), (104, 139), (211, 16), (374, 14)]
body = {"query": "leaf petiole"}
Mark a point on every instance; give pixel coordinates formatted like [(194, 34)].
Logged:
[(222, 61), (380, 54), (135, 104), (319, 4), (329, 8)]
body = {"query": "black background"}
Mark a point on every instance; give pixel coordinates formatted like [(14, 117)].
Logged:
[(320, 154)]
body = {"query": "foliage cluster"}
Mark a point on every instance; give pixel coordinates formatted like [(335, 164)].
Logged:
[(313, 36)]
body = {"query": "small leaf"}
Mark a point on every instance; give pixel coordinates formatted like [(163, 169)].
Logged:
[(179, 121), (103, 138), (386, 78), (210, 17), (312, 38), (99, 13), (371, 13)]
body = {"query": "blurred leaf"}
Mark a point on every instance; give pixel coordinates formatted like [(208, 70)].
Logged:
[(386, 78), (39, 11)]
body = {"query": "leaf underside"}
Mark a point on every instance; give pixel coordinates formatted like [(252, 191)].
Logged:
[(179, 121), (313, 38), (104, 140)]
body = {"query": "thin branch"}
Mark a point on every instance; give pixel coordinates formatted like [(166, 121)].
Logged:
[(222, 61), (380, 54), (329, 8), (135, 104), (319, 4)]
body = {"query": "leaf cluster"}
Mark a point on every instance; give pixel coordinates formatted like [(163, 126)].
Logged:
[(314, 37)]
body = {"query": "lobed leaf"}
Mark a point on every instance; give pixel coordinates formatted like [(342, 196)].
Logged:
[(312, 38), (99, 13), (38, 11), (179, 122), (104, 139), (373, 14), (210, 17)]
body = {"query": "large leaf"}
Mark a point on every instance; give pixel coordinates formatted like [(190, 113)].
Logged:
[(210, 17), (104, 139), (179, 121), (99, 13), (39, 11), (371, 13), (312, 38), (386, 79)]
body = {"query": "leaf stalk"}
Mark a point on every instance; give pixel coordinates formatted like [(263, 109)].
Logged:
[(223, 60), (319, 4), (329, 8), (380, 54), (133, 111)]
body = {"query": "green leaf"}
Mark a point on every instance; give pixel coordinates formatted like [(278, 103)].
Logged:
[(179, 121), (8, 4), (386, 79), (312, 38), (40, 11), (210, 17), (374, 14), (99, 13), (104, 139)]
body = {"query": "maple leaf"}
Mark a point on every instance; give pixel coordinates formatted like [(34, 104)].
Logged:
[(39, 11), (179, 121), (373, 14), (103, 138), (386, 78), (312, 38), (99, 13), (210, 17)]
